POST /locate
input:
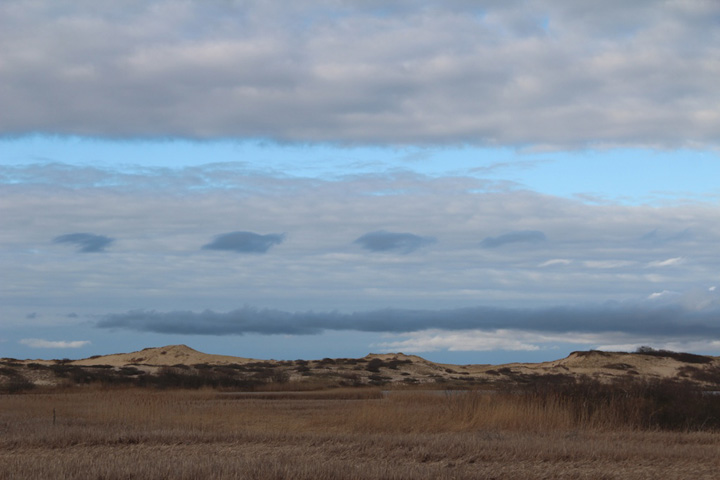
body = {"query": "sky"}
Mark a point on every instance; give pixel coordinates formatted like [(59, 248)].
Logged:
[(469, 181)]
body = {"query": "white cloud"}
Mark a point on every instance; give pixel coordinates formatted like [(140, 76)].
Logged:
[(555, 261), (667, 263), (607, 264), (434, 340), (663, 294), (519, 340), (488, 340), (40, 343)]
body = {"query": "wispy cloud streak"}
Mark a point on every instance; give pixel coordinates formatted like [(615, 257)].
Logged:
[(40, 343)]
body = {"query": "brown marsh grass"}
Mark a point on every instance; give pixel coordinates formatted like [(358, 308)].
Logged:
[(179, 434)]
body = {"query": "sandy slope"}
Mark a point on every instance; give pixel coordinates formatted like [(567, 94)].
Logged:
[(170, 355)]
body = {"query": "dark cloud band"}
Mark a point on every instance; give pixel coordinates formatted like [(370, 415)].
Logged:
[(382, 241), (245, 242), (666, 320), (523, 236), (87, 242)]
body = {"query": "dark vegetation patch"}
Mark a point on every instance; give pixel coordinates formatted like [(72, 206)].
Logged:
[(618, 366), (679, 356), (11, 362), (374, 365), (129, 370), (658, 404), (589, 353), (14, 381), (378, 379), (709, 374)]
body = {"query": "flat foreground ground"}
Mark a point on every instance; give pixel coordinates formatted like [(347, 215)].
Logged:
[(150, 434)]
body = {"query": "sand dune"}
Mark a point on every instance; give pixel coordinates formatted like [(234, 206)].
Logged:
[(375, 369), (596, 364), (163, 356)]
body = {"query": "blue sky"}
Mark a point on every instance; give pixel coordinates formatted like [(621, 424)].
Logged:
[(473, 182)]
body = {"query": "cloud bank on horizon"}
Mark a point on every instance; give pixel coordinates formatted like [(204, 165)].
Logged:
[(546, 74), (131, 236), (609, 326)]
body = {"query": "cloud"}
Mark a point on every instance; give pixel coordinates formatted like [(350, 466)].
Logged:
[(88, 242), (39, 343), (466, 340), (514, 340), (163, 228), (245, 242), (522, 236), (608, 264), (382, 241), (666, 263), (664, 294), (555, 261), (533, 74), (664, 320)]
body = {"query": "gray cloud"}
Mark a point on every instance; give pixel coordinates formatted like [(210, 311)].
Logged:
[(659, 320), (595, 253), (521, 236), (245, 242), (563, 74), (382, 241), (87, 242)]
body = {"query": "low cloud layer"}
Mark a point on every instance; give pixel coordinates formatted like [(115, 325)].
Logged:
[(382, 241), (565, 74), (87, 242), (657, 320), (523, 236), (40, 343), (245, 242)]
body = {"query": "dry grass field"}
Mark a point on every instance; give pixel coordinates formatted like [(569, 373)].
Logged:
[(134, 433)]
